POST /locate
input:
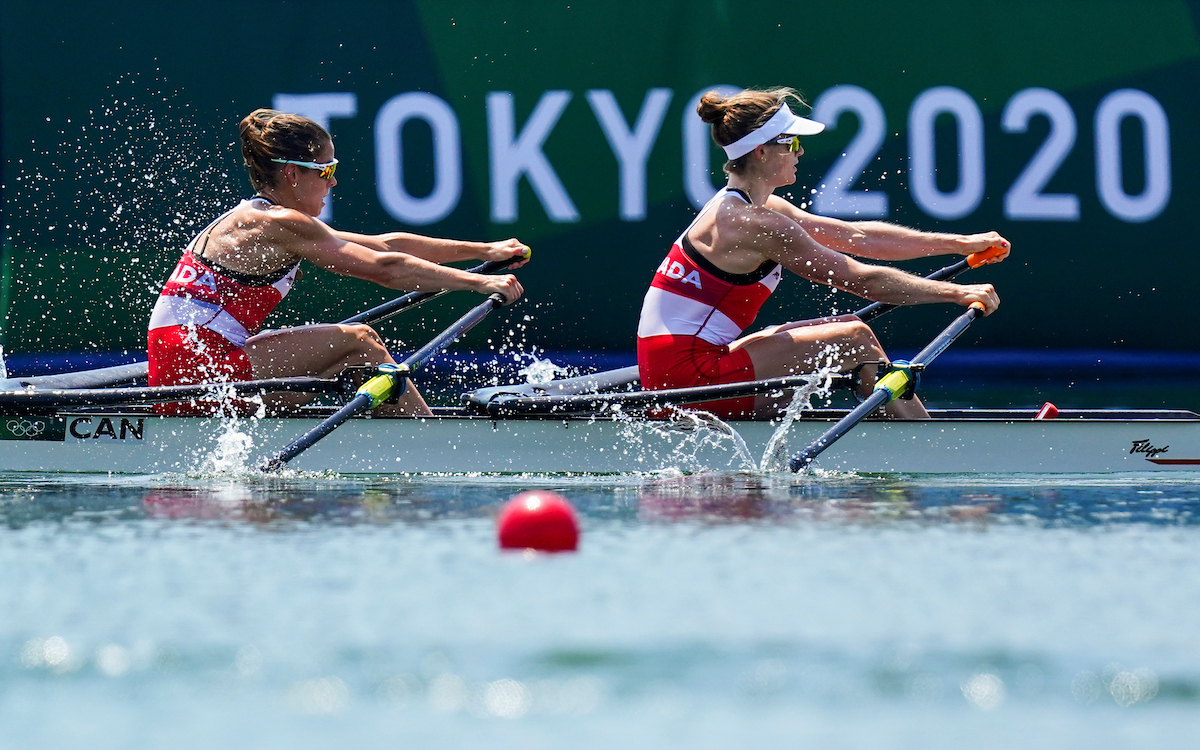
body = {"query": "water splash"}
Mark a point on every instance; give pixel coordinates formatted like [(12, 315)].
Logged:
[(776, 456), (777, 453), (688, 435), (541, 370), (111, 197), (231, 454)]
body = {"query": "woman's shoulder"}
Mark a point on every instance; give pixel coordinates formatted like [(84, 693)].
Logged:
[(274, 220), (739, 217)]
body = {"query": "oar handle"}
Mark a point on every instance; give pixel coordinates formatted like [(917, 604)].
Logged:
[(412, 299), (974, 260), (985, 257)]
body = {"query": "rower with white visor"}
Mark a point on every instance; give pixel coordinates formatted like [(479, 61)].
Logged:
[(708, 290)]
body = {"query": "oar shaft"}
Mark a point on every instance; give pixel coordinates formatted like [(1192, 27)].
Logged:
[(882, 395), (974, 260), (875, 309), (359, 403), (378, 389), (447, 337), (412, 299), (844, 425), (162, 394), (947, 337), (511, 404)]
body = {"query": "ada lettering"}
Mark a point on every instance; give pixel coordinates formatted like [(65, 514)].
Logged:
[(673, 269)]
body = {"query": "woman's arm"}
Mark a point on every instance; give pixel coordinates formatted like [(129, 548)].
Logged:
[(311, 239), (437, 250), (783, 240), (879, 240)]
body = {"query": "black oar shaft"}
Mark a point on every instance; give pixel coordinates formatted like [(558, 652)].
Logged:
[(974, 260), (447, 337), (844, 425), (65, 397), (511, 404), (412, 299), (359, 403), (875, 309), (881, 396)]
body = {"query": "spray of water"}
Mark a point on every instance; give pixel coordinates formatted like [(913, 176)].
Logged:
[(687, 440), (777, 453), (109, 198)]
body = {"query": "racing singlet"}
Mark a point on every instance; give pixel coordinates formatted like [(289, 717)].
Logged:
[(204, 294), (691, 298)]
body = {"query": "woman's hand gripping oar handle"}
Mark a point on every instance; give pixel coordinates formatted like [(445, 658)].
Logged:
[(412, 299), (888, 388), (974, 260), (389, 383)]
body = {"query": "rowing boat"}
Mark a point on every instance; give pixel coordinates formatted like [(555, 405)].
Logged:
[(592, 424), (135, 440)]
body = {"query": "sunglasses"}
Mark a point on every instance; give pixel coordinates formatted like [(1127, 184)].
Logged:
[(792, 141), (327, 169)]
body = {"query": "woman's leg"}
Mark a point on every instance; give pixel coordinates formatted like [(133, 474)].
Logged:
[(842, 342), (323, 351)]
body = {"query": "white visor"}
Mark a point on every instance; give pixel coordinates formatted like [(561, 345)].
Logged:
[(783, 122)]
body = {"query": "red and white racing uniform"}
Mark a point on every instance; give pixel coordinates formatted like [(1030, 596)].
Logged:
[(692, 312), (205, 314)]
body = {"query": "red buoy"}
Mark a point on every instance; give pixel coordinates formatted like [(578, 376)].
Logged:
[(538, 520)]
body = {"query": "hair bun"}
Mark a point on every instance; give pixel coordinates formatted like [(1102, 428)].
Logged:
[(712, 107)]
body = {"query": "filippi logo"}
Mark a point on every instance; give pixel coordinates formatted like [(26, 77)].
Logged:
[(1144, 446), (82, 428)]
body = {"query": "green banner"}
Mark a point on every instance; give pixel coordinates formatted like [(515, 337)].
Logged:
[(1067, 127)]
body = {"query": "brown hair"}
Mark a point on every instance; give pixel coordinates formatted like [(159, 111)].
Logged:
[(732, 117), (268, 134)]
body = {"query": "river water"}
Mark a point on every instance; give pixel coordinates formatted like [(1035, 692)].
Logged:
[(704, 611)]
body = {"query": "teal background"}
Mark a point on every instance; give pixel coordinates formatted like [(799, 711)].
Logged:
[(119, 131)]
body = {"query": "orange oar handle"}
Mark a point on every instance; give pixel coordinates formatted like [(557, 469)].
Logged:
[(983, 257)]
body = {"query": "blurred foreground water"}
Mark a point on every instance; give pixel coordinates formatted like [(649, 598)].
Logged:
[(714, 610)]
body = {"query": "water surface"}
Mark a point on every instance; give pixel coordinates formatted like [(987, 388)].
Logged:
[(714, 610)]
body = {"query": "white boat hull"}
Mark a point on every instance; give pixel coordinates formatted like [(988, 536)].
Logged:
[(141, 443)]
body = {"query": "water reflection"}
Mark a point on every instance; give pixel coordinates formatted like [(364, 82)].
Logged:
[(723, 498)]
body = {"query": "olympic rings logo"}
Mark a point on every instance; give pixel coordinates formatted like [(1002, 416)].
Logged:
[(25, 428)]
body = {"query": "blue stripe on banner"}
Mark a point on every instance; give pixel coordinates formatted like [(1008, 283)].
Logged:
[(1006, 361)]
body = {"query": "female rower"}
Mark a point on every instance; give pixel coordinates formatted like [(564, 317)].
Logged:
[(205, 325), (728, 261)]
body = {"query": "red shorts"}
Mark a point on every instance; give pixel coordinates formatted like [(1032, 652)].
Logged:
[(687, 361), (182, 355)]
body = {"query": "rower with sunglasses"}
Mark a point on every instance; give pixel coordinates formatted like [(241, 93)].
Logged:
[(721, 270), (206, 324)]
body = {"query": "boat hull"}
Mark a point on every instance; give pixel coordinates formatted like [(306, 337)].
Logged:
[(1010, 441)]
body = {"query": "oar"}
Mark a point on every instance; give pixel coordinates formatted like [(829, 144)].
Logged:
[(380, 388), (412, 299), (974, 260), (888, 388), (507, 404), (64, 397)]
